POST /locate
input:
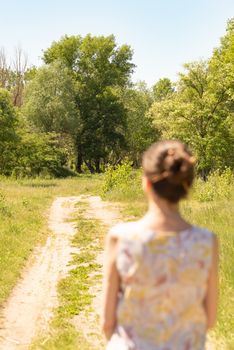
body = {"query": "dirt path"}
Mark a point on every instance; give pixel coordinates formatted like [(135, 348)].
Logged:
[(88, 321), (30, 305)]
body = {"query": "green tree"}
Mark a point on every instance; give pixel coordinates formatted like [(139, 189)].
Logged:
[(162, 89), (100, 69), (8, 135), (140, 132), (50, 100), (38, 153), (198, 114)]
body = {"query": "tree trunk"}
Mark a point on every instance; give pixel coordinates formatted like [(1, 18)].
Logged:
[(97, 165), (90, 167), (79, 159)]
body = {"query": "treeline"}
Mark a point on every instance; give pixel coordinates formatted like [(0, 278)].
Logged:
[(80, 111)]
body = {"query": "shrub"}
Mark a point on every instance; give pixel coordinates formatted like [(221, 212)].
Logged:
[(39, 154), (218, 186), (122, 181), (117, 176)]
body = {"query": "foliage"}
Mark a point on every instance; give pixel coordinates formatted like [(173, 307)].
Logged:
[(99, 68), (219, 186), (13, 74), (121, 180), (84, 95), (8, 135), (162, 89), (200, 115), (38, 154), (50, 100), (139, 132)]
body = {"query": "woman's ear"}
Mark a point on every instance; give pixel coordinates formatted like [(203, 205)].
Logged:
[(146, 184)]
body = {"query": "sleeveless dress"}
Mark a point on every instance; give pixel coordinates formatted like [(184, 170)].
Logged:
[(163, 285)]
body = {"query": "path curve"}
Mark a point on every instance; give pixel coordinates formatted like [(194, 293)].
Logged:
[(30, 305)]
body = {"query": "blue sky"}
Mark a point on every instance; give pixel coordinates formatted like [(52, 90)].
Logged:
[(164, 34)]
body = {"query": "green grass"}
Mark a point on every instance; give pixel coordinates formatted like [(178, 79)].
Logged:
[(23, 225), (218, 217), (24, 206)]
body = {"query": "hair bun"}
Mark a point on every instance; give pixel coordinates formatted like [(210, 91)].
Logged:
[(169, 165), (177, 164)]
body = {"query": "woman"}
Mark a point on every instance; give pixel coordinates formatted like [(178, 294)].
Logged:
[(160, 277)]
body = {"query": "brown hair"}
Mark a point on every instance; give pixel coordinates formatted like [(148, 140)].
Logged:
[(169, 165)]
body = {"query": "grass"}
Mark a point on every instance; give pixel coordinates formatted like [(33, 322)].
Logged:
[(74, 290), (23, 225), (218, 217), (24, 206)]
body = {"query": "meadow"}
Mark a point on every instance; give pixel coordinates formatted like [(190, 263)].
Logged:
[(24, 206)]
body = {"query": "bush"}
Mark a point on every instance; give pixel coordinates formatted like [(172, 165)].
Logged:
[(39, 154), (218, 186), (122, 181), (117, 176)]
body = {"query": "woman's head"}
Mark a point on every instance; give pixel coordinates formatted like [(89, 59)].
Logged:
[(169, 168)]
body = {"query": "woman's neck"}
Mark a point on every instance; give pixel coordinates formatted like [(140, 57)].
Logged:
[(164, 216)]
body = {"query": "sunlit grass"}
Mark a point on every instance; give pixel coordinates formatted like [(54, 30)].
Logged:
[(24, 209)]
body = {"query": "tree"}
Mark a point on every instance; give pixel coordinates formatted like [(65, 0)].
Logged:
[(13, 74), (50, 100), (140, 132), (162, 89), (198, 114), (100, 69), (18, 76), (38, 153), (4, 70), (8, 136)]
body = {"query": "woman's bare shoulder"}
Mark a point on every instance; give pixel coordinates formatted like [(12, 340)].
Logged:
[(123, 229)]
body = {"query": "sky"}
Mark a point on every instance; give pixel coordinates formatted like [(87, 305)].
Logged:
[(164, 34)]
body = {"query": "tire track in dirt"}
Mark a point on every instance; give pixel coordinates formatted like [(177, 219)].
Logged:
[(30, 305), (88, 321)]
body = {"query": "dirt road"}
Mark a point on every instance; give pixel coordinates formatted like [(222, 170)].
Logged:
[(30, 305)]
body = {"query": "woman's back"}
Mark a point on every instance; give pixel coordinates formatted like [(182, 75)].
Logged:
[(163, 279), (161, 274)]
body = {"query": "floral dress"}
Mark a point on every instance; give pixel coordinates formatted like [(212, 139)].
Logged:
[(163, 285)]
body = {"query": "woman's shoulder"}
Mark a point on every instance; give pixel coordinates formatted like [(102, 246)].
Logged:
[(203, 233), (124, 229)]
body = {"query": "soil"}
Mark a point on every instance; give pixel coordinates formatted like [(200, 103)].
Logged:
[(30, 305)]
